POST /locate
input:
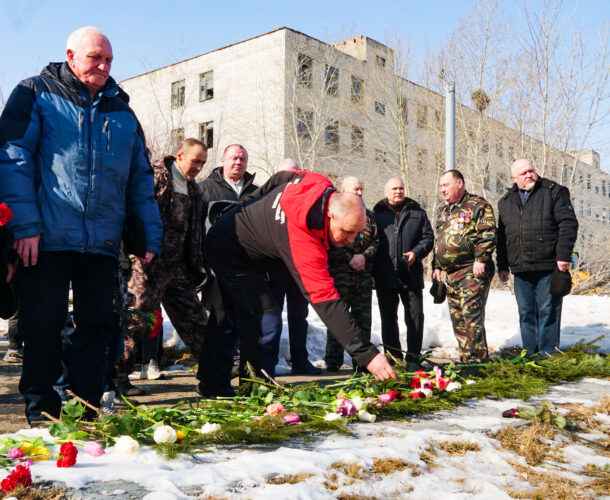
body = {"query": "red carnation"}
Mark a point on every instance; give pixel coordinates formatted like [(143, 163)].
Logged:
[(157, 325), (421, 374), (395, 395), (6, 214), (417, 395), (442, 382), (67, 455), (415, 383), (20, 475)]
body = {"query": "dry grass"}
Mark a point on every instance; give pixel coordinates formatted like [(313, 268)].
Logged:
[(527, 441), (550, 486), (455, 447), (428, 459), (351, 470), (586, 414), (332, 482), (37, 492), (353, 496), (290, 478), (390, 465)]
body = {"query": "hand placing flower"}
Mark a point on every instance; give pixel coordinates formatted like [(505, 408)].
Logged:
[(67, 455), (164, 434)]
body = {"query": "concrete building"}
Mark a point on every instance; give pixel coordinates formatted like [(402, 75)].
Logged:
[(340, 109)]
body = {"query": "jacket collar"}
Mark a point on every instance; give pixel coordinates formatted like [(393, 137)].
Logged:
[(217, 175), (63, 73), (384, 204)]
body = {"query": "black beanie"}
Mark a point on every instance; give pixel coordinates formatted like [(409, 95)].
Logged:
[(561, 283), (438, 290)]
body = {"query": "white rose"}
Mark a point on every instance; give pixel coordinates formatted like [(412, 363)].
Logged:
[(164, 434), (365, 416), (358, 402), (470, 381), (209, 428), (427, 392), (126, 444), (453, 386), (330, 417)]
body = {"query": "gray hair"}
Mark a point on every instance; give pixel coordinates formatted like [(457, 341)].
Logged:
[(76, 37), (288, 164)]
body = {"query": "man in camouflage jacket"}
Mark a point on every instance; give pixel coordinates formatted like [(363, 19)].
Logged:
[(351, 268), (465, 242), (169, 279)]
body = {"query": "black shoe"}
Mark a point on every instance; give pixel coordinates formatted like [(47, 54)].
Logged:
[(215, 391), (305, 368), (332, 368), (128, 389)]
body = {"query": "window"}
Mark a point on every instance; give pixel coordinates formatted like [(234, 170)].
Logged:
[(206, 86), (380, 61), (603, 188), (381, 156), (304, 71), (356, 90), (582, 208), (304, 124), (589, 181), (332, 80), (438, 119), (589, 209), (500, 183), (357, 139), (484, 146), (596, 189), (206, 134), (177, 136), (510, 152), (379, 108), (499, 149), (421, 116), (178, 94), (421, 158), (331, 135), (403, 109)]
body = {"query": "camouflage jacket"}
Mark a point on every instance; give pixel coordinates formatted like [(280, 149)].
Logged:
[(171, 210), (465, 233), (366, 243)]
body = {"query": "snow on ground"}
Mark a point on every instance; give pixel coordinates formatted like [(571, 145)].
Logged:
[(584, 317), (243, 472)]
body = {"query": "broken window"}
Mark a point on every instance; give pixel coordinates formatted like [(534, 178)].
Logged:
[(421, 115), (332, 80), (178, 94), (206, 86), (381, 156), (357, 139), (206, 134), (177, 136), (380, 61), (356, 90), (304, 124), (331, 135), (379, 108)]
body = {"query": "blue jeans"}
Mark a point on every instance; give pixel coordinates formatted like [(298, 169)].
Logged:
[(539, 312)]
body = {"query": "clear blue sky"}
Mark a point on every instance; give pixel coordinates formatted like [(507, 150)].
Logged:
[(153, 33)]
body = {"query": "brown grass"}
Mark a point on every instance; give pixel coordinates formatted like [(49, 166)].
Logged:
[(550, 486), (352, 469), (527, 441), (353, 496), (390, 465), (332, 482), (586, 414), (454, 447), (37, 492), (289, 479)]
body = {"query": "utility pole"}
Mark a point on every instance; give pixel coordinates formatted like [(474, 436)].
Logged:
[(449, 125)]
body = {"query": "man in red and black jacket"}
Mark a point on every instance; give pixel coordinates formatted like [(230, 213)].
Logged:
[(290, 228)]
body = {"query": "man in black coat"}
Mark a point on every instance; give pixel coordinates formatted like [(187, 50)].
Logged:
[(537, 229), (406, 237)]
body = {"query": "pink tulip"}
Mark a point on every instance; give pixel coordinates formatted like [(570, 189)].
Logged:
[(291, 418), (93, 448), (14, 453), (385, 398)]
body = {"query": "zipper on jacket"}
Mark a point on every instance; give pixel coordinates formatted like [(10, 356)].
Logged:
[(81, 129), (106, 130)]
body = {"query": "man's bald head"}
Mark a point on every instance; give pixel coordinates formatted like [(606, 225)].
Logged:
[(524, 174), (352, 185), (288, 165), (347, 216)]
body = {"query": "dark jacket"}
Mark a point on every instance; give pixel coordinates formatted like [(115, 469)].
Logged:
[(72, 167), (287, 229), (534, 236), (411, 231), (164, 193), (215, 188)]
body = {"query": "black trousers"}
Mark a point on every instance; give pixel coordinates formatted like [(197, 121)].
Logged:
[(43, 303), (412, 301)]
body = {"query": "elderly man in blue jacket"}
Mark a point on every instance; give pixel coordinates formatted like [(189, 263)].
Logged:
[(73, 165)]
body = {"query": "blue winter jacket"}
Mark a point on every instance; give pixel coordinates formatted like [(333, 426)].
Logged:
[(72, 167)]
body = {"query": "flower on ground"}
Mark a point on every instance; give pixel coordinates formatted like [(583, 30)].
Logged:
[(390, 396), (67, 455), (347, 408), (421, 374), (437, 371), (427, 384), (25, 447), (357, 400), (275, 409), (329, 417), (417, 395), (126, 444), (426, 392), (20, 475), (164, 434), (453, 386), (93, 448), (209, 428), (157, 326), (442, 382), (180, 435), (14, 453), (365, 416), (415, 383), (39, 453), (291, 418)]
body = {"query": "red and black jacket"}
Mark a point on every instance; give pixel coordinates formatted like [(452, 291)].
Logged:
[(287, 228)]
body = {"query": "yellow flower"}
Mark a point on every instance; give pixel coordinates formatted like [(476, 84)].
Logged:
[(43, 453), (25, 446), (180, 435)]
